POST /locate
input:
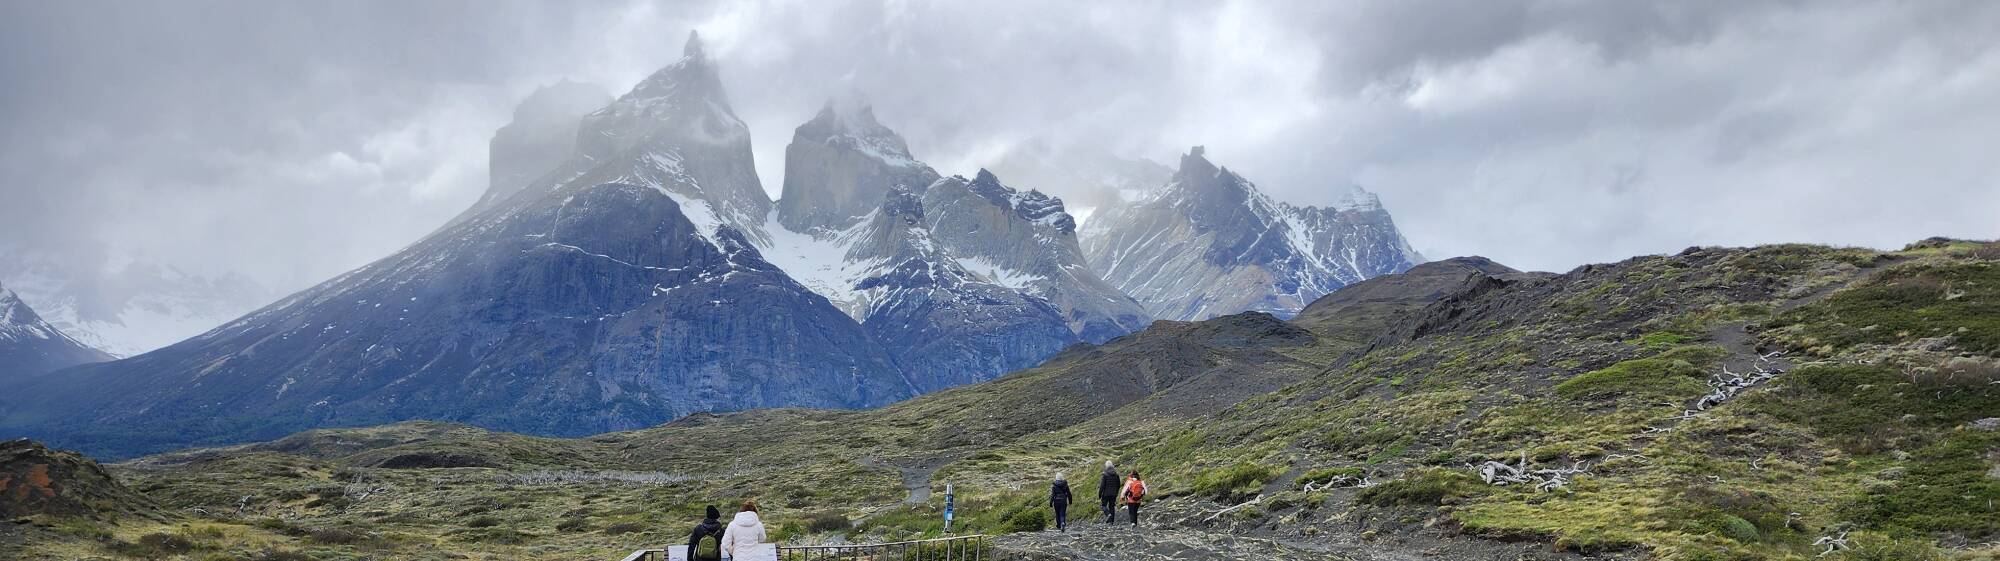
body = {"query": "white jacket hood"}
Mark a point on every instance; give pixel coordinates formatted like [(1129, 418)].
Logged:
[(746, 519)]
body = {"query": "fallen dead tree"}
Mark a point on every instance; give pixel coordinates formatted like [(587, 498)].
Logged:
[(1361, 481), (1219, 513), (1831, 543), (1501, 474), (1725, 386)]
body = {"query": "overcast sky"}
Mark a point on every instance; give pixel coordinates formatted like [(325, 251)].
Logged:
[(277, 144)]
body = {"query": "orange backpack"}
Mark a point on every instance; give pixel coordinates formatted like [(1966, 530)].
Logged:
[(1134, 489)]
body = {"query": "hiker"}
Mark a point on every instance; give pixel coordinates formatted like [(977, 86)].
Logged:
[(745, 531), (1059, 498), (705, 543), (1107, 493), (1135, 489)]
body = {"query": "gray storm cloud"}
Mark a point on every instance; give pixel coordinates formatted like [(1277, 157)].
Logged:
[(274, 145)]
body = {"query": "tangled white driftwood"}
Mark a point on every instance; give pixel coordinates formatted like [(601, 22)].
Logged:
[(1832, 543), (1545, 479), (1219, 513), (1722, 387), (1342, 482)]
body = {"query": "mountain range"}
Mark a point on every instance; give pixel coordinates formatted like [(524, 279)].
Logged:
[(1774, 402), (626, 268), (31, 347)]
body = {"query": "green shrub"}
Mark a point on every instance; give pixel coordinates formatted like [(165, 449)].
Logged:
[(623, 528), (280, 526), (1961, 300), (1323, 475), (1027, 520), (156, 545), (1677, 373), (1736, 528), (828, 522), (1422, 487), (1229, 483), (482, 522), (1869, 546), (335, 536), (1660, 340), (82, 528), (505, 536), (1947, 489)]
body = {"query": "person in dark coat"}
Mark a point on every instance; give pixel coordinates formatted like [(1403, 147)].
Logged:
[(1107, 492), (1059, 499), (711, 525)]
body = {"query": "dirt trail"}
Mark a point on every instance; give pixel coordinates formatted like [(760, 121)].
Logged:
[(916, 480)]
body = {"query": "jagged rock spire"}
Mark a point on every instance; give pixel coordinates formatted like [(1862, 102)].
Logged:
[(693, 48)]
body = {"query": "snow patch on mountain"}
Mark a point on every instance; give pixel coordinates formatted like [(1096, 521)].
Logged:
[(993, 273), (821, 263)]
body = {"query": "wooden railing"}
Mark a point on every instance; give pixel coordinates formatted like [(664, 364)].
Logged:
[(955, 548)]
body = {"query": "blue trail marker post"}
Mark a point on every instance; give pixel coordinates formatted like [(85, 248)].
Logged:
[(949, 503)]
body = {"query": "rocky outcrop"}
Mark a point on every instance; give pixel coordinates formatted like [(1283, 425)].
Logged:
[(37, 481)]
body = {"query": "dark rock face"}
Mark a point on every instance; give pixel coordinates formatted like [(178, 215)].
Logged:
[(35, 480), (1025, 239), (1209, 244), (541, 137), (838, 168), (1356, 313), (945, 325), (30, 347)]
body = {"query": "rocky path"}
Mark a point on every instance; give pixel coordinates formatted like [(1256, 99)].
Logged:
[(1097, 541)]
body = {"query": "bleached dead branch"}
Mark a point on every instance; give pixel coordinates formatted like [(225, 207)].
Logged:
[(1212, 517), (1831, 543), (1728, 385), (1544, 480)]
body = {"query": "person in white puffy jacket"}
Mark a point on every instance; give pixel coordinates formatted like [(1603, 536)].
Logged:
[(745, 531)]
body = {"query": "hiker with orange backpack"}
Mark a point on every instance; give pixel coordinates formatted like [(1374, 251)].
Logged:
[(1135, 490), (705, 543)]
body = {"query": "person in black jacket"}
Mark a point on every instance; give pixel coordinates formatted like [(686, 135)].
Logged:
[(1107, 492), (709, 526), (1059, 499)]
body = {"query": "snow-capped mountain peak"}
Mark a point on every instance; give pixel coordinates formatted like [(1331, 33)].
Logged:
[(1031, 205), (1358, 199), (1211, 243), (30, 346)]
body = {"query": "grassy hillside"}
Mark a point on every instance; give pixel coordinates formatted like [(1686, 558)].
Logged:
[(1354, 431)]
